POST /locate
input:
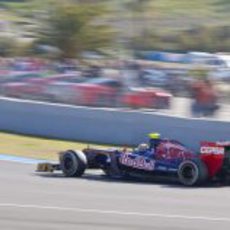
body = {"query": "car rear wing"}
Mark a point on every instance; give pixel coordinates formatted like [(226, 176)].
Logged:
[(213, 154), (223, 143)]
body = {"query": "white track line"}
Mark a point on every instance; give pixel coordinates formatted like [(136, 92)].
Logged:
[(115, 212)]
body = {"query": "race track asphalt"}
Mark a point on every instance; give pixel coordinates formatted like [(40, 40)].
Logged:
[(33, 202)]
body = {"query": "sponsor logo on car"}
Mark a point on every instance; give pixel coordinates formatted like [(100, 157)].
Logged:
[(138, 162), (212, 150)]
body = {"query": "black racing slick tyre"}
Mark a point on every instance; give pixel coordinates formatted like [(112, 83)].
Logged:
[(73, 163), (192, 172)]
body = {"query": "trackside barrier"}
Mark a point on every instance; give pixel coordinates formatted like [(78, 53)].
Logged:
[(104, 125)]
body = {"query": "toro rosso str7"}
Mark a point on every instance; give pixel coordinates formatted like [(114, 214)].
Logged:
[(162, 157)]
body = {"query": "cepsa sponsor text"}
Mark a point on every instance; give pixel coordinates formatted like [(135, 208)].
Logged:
[(211, 150)]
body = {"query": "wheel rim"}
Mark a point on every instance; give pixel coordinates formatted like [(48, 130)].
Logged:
[(188, 172), (68, 163)]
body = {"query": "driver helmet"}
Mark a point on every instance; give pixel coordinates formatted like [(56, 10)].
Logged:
[(154, 140), (155, 136)]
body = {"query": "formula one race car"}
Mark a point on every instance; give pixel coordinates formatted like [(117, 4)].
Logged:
[(161, 157)]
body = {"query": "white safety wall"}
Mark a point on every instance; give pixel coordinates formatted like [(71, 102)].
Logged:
[(104, 125)]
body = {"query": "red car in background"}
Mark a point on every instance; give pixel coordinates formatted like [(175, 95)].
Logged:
[(147, 98), (12, 81), (108, 92), (94, 92), (72, 88), (34, 87)]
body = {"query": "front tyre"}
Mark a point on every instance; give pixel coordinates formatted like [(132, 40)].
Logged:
[(192, 172), (73, 163)]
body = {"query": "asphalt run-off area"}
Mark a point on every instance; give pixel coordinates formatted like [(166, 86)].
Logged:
[(50, 201)]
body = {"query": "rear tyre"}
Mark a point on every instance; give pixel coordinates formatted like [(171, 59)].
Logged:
[(192, 172), (73, 163)]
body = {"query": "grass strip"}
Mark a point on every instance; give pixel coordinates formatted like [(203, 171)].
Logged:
[(37, 147)]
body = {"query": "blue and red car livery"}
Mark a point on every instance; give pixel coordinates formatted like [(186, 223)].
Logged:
[(169, 158)]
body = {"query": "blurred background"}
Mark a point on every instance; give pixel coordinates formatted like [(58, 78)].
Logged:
[(171, 56)]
